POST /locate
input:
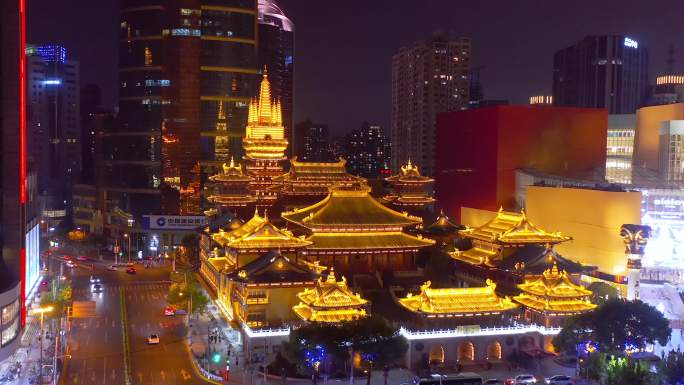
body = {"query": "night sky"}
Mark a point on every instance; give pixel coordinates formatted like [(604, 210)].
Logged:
[(344, 48)]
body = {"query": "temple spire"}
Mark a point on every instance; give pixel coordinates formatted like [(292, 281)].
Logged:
[(265, 102)]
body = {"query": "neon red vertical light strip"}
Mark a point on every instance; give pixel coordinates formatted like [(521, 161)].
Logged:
[(22, 153)]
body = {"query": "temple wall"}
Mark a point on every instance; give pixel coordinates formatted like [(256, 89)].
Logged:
[(592, 217)]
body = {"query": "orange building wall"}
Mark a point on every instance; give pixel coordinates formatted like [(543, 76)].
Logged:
[(647, 134), (592, 217)]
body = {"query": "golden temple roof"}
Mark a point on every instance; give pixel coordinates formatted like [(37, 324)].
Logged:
[(350, 208), (315, 177), (512, 228), (554, 292), (470, 301), (330, 300), (367, 240), (231, 172), (409, 173), (259, 233)]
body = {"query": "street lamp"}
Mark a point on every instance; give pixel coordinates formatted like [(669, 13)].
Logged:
[(129, 247), (42, 311)]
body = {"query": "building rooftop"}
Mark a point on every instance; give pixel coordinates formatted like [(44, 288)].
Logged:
[(554, 292), (273, 269), (330, 300), (350, 208), (259, 233), (514, 229), (367, 240), (450, 302)]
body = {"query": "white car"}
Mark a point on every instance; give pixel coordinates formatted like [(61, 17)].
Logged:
[(560, 379), (97, 288), (94, 279), (153, 339), (111, 268), (70, 264), (525, 379)]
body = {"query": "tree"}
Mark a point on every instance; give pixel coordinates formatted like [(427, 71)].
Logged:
[(620, 371), (59, 297), (190, 244), (672, 367), (377, 342), (602, 292), (180, 293), (614, 325)]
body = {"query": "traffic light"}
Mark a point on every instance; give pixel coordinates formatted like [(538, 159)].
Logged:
[(216, 358)]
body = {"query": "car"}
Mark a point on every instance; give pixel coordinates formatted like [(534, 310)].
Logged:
[(169, 310), (82, 258), (111, 268), (94, 279), (97, 288), (181, 312), (493, 381), (509, 381), (131, 270), (153, 339), (525, 379), (560, 379), (45, 281), (70, 264)]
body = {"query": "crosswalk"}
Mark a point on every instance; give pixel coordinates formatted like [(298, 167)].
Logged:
[(129, 288), (31, 331)]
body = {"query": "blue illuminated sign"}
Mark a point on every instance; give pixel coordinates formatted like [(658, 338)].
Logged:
[(631, 43)]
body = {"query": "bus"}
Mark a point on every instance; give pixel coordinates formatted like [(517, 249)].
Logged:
[(449, 379)]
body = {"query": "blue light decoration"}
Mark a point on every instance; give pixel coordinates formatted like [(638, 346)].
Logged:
[(370, 357), (587, 347), (631, 348), (315, 356)]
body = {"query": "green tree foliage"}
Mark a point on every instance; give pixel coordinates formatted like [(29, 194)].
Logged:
[(181, 292), (672, 367), (373, 338), (602, 292), (621, 371), (614, 324), (59, 297)]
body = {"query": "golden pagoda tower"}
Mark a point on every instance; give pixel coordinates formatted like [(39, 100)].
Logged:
[(230, 190), (264, 144), (409, 189), (221, 143), (552, 297), (330, 301)]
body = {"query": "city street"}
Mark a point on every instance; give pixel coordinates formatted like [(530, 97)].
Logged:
[(96, 344)]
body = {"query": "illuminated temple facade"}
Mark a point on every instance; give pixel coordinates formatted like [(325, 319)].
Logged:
[(265, 145), (457, 302), (354, 233), (550, 298), (308, 182), (229, 190), (330, 301), (409, 190)]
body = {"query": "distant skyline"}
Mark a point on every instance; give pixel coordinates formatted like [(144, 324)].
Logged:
[(344, 49)]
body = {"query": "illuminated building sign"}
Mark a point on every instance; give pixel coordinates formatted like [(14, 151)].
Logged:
[(631, 43), (52, 82), (173, 222)]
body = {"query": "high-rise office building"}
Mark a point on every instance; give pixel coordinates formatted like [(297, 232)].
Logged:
[(181, 62), (54, 127), (428, 78), (608, 72), (313, 144), (368, 152), (13, 175), (91, 97), (276, 52)]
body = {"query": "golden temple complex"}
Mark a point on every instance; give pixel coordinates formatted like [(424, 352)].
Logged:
[(501, 236), (222, 140), (355, 233), (264, 291), (230, 189), (551, 297), (264, 144), (409, 189), (309, 182), (457, 302), (330, 301)]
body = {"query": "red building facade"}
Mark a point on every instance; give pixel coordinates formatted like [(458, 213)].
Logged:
[(479, 150)]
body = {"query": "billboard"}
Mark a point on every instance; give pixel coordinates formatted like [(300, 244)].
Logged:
[(173, 222), (663, 210)]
